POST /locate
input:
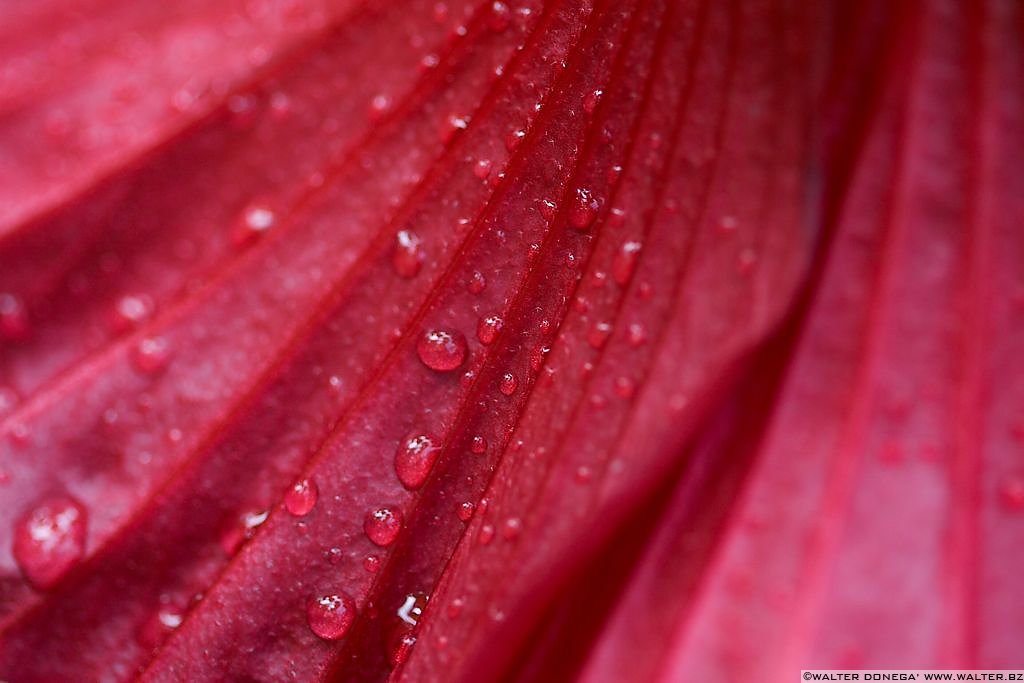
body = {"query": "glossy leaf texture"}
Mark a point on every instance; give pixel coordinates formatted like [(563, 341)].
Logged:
[(353, 341)]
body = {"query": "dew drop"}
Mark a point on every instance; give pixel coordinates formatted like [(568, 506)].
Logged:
[(407, 257), (442, 350), (301, 497), (636, 334), (14, 322), (477, 283), (256, 220), (379, 106), (414, 459), (401, 648), (590, 101), (500, 17), (151, 355), (624, 263), (488, 329), (482, 168), (625, 387), (514, 139), (50, 540), (330, 616), (547, 209), (598, 335), (584, 209), (512, 528), (479, 445), (382, 525), (130, 311), (465, 511), (486, 535), (371, 563), (508, 384)]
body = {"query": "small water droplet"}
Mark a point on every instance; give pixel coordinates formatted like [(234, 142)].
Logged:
[(636, 334), (590, 100), (508, 384), (465, 511), (379, 106), (727, 224), (14, 323), (645, 291), (131, 311), (514, 139), (584, 209), (330, 616), (625, 387), (512, 528), (488, 329), (500, 17), (746, 260), (50, 540), (584, 474), (485, 535), (624, 263), (598, 335), (414, 459), (479, 445), (256, 220), (455, 608), (482, 168), (477, 283), (382, 525), (371, 563), (151, 355), (301, 497), (547, 209), (401, 648), (442, 350), (407, 257)]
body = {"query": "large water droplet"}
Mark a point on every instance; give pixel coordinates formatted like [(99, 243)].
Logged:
[(382, 525), (407, 257), (414, 459), (488, 329), (330, 616), (50, 540), (301, 497), (442, 350)]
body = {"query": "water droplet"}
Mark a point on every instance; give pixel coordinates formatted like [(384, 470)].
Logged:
[(508, 384), (14, 322), (584, 209), (584, 474), (746, 260), (256, 220), (636, 334), (512, 528), (547, 209), (482, 168), (624, 263), (479, 445), (301, 497), (590, 101), (407, 257), (382, 525), (379, 106), (728, 224), (514, 139), (414, 459), (50, 540), (371, 563), (465, 511), (151, 355), (598, 335), (401, 648), (500, 17), (486, 535), (455, 608), (645, 291), (442, 350), (488, 329), (477, 283), (8, 400), (625, 387), (130, 311), (330, 616)]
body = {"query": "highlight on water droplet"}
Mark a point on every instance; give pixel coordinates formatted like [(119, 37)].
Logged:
[(256, 219), (407, 257), (130, 311), (330, 616), (478, 445), (49, 540), (590, 100), (301, 497), (442, 350), (382, 525), (488, 329), (465, 511), (500, 17), (414, 459), (598, 335), (477, 283), (402, 647)]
